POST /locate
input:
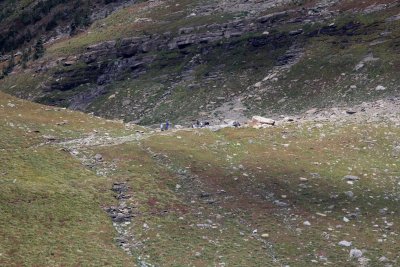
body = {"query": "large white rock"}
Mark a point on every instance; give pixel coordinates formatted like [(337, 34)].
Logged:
[(380, 88), (262, 120), (258, 85)]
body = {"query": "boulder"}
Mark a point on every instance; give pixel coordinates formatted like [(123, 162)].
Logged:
[(262, 120), (131, 41), (69, 63), (230, 34), (186, 30), (349, 194), (355, 253), (351, 178), (129, 50), (102, 46), (270, 18), (296, 32), (351, 111), (280, 203), (311, 111), (126, 102), (98, 157), (383, 259), (345, 243)]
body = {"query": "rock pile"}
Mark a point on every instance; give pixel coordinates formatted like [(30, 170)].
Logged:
[(121, 216)]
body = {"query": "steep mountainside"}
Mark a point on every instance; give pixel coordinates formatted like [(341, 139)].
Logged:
[(321, 188), (215, 60)]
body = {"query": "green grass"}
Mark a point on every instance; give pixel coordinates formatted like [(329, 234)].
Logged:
[(51, 205), (325, 73), (24, 85), (51, 214), (272, 168)]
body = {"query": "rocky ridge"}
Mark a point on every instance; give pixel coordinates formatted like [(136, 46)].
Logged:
[(247, 64)]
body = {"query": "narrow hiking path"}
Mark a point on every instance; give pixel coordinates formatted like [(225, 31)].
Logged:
[(384, 110)]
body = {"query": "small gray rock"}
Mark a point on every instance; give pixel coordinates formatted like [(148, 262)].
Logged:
[(345, 243), (351, 112), (351, 178), (350, 194), (280, 203), (98, 157), (383, 211), (383, 259), (355, 253)]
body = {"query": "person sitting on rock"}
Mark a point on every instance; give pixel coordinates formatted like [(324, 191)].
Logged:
[(162, 127), (167, 125)]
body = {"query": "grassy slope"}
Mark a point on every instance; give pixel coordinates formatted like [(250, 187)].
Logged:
[(50, 204), (207, 162), (269, 167), (327, 71), (51, 215)]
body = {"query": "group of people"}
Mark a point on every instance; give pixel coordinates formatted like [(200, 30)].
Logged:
[(236, 124), (165, 126), (200, 124)]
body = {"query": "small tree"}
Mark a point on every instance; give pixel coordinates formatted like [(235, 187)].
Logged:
[(39, 49)]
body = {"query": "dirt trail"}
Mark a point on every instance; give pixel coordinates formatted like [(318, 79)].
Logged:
[(384, 110), (100, 140)]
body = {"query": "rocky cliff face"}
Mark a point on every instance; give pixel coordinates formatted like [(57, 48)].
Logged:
[(106, 61), (251, 56)]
